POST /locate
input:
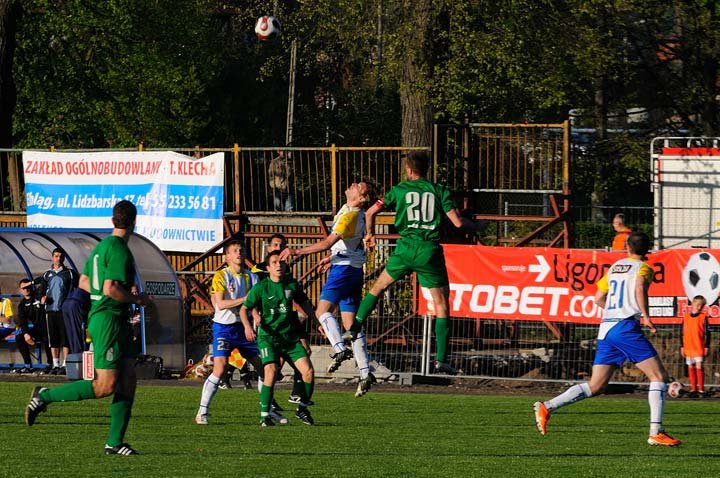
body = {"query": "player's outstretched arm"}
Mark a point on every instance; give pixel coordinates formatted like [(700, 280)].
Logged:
[(370, 214), (84, 283), (319, 246), (461, 222)]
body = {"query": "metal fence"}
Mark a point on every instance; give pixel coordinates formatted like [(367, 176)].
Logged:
[(263, 179), (528, 350), (401, 342)]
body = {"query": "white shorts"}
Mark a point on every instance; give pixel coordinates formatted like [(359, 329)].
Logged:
[(693, 360)]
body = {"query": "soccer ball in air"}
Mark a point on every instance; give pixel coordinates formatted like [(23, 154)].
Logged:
[(267, 28), (674, 389), (701, 276)]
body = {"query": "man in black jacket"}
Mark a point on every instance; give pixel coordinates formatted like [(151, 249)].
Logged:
[(30, 329)]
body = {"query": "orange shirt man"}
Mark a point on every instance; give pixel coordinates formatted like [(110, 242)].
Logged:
[(618, 243)]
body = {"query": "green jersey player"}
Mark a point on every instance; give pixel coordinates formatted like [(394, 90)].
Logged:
[(279, 334), (108, 276), (420, 207)]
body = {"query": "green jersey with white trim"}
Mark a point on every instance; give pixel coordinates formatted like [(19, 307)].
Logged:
[(419, 206), (111, 259), (275, 301)]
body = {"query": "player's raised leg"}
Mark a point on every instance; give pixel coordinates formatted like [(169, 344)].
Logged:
[(598, 381)]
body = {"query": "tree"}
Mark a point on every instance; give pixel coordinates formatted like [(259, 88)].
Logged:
[(9, 10), (115, 73)]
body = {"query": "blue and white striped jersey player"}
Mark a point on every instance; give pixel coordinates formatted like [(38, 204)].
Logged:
[(343, 288), (229, 287), (623, 293)]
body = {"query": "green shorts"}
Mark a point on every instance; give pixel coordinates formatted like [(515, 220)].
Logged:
[(112, 340), (273, 347), (424, 258)]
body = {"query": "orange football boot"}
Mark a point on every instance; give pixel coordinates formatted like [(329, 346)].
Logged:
[(542, 415), (663, 439)]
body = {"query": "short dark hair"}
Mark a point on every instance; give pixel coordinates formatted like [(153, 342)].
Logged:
[(25, 280), (124, 214), (418, 161), (236, 242), (639, 243), (270, 254), (277, 235), (700, 297), (370, 195), (60, 250)]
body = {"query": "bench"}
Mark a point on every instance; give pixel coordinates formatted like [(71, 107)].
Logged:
[(8, 350)]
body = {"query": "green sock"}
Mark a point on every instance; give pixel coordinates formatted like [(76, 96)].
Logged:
[(120, 412), (441, 338), (266, 396), (71, 392), (308, 389), (364, 310)]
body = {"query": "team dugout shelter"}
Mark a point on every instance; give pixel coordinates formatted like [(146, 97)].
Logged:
[(27, 253)]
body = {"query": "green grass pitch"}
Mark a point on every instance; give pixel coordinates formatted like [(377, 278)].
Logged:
[(384, 434)]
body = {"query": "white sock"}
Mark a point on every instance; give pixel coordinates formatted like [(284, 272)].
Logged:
[(210, 388), (359, 346), (656, 399), (56, 362), (332, 331), (260, 383), (571, 395)]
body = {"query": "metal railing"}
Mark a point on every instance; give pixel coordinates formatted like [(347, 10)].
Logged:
[(264, 179)]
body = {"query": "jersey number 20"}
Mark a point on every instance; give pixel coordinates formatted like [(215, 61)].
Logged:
[(420, 207)]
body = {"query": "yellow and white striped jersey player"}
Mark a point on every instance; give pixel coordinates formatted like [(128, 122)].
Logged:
[(229, 287), (623, 293), (343, 288)]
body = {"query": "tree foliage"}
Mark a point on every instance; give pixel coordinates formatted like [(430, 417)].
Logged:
[(113, 73)]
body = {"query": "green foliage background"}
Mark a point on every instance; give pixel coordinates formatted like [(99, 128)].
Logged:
[(177, 74)]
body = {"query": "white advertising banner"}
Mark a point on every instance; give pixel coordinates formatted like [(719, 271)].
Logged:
[(179, 198)]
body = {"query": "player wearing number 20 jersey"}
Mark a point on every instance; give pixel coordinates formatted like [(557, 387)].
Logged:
[(419, 210), (419, 207)]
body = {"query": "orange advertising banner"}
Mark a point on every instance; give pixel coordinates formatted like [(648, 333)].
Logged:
[(547, 284)]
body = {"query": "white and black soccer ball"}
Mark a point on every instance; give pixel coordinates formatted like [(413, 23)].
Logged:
[(674, 389), (267, 27), (701, 276), (201, 371)]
